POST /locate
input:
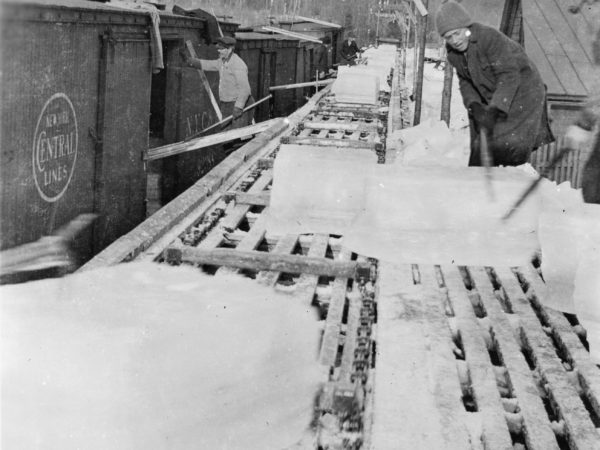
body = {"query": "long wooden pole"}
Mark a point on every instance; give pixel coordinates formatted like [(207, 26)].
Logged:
[(447, 93), (205, 83), (208, 141), (421, 64), (299, 85), (226, 119)]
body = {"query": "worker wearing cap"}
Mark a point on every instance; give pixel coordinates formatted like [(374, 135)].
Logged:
[(500, 86), (234, 88), (349, 51)]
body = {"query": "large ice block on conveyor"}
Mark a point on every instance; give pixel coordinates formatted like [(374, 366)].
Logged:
[(356, 87), (148, 356), (587, 278), (561, 226), (444, 215), (317, 189)]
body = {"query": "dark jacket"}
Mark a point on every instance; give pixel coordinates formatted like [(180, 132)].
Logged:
[(348, 51), (494, 70), (321, 59)]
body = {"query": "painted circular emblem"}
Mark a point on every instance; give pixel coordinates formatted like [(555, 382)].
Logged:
[(55, 147)]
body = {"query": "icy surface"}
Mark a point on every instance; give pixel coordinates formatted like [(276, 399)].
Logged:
[(355, 86), (142, 356), (317, 189), (443, 215)]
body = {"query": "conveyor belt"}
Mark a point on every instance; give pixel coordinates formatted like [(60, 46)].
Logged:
[(414, 356)]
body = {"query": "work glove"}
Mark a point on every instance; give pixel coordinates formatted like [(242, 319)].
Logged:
[(484, 116), (237, 112)]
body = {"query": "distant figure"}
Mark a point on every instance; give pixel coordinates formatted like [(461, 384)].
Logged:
[(500, 86), (579, 133), (349, 51), (234, 88), (322, 59)]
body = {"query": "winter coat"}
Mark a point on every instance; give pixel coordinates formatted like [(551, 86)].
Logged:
[(233, 78), (495, 71), (348, 51), (321, 59)]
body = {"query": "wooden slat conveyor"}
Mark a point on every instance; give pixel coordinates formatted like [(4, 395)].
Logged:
[(414, 357)]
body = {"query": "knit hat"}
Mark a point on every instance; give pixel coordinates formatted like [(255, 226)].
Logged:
[(451, 16)]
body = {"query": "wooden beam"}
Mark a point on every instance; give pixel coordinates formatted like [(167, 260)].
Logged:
[(300, 85), (213, 100), (319, 142), (373, 127), (207, 141), (421, 7), (245, 198), (321, 22), (255, 260), (293, 34)]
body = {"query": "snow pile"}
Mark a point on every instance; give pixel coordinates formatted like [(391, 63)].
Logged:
[(431, 143), (144, 356)]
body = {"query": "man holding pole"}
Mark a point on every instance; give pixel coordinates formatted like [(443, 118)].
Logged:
[(234, 88), (500, 86)]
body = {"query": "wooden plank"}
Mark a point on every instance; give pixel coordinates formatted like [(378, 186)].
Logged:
[(204, 80), (568, 75), (539, 57), (301, 36), (588, 373), (333, 322), (580, 24), (251, 240), (417, 398), (337, 125), (301, 85), (285, 245), (328, 142), (538, 433), (580, 428), (234, 217), (255, 260), (247, 198), (306, 284), (177, 148), (483, 381)]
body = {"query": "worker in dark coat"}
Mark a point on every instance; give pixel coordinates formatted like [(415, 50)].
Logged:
[(349, 51), (500, 86), (322, 58), (234, 88)]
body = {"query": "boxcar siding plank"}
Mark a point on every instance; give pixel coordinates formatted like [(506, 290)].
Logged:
[(538, 434), (483, 380), (582, 432)]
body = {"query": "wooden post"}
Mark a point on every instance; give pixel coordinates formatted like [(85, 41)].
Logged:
[(419, 76), (447, 93)]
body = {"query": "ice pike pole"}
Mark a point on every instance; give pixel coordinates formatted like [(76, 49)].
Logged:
[(534, 184), (486, 159)]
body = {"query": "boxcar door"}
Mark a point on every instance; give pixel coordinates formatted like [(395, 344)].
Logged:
[(123, 125)]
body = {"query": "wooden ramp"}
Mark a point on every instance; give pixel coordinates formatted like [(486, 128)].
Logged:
[(468, 358)]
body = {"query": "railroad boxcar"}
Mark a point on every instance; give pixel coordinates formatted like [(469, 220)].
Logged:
[(81, 101)]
